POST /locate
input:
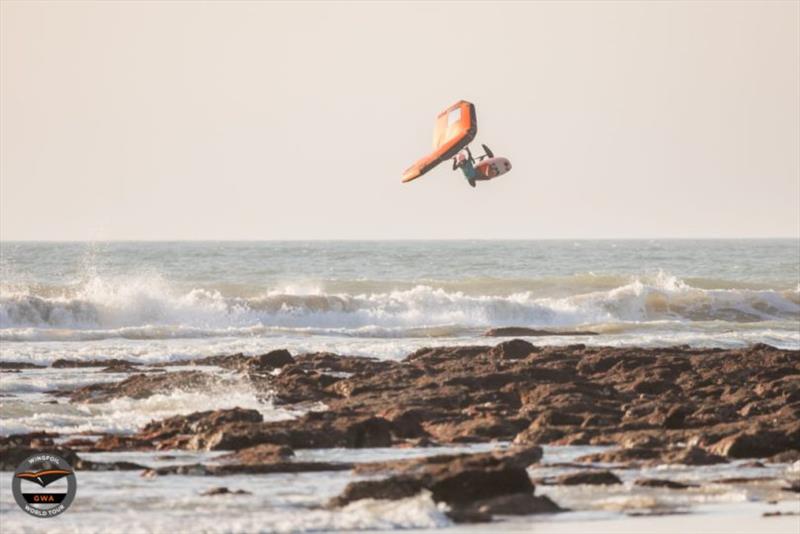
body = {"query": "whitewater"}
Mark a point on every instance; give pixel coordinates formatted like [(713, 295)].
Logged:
[(171, 301)]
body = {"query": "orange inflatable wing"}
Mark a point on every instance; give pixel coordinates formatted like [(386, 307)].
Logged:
[(455, 128)]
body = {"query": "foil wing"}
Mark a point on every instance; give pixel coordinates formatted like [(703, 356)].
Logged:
[(455, 128)]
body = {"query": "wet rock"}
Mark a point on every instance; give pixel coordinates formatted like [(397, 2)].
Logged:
[(662, 483), (524, 503), (222, 490), (394, 488), (757, 444), (87, 465), (34, 440), (140, 386), (407, 422), (656, 456), (12, 455), (512, 457), (19, 365), (512, 331), (297, 384), (235, 362), (124, 368), (246, 469), (623, 456), (259, 454), (369, 433), (199, 430), (467, 485), (512, 350), (79, 444), (71, 364), (113, 442), (676, 416), (785, 457), (271, 360), (657, 398), (794, 486), (538, 436), (741, 480), (457, 480), (475, 429), (605, 478), (691, 456), (550, 418), (467, 515)]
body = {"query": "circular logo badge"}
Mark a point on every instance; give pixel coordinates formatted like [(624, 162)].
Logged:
[(44, 485)]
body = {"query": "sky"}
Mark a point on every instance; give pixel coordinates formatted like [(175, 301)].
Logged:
[(183, 120)]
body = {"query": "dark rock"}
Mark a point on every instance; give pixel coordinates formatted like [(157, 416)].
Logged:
[(397, 487), (259, 454), (246, 469), (623, 456), (512, 350), (550, 418), (213, 430), (19, 365), (741, 480), (538, 436), (785, 457), (369, 433), (794, 486), (755, 444), (87, 465), (457, 480), (512, 331), (655, 398), (467, 515), (524, 503), (691, 456), (223, 491), (113, 362), (467, 485), (236, 362), (272, 360), (113, 443), (12, 455), (662, 483), (140, 386), (587, 477)]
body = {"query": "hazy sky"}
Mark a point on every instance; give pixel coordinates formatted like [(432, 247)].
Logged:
[(184, 120)]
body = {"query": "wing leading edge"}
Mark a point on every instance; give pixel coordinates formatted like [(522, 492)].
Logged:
[(455, 128)]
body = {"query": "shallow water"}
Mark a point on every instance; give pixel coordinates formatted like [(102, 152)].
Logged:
[(295, 502)]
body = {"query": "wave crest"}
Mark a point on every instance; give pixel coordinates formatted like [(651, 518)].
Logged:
[(132, 303)]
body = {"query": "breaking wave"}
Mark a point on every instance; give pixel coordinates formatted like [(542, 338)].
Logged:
[(149, 307)]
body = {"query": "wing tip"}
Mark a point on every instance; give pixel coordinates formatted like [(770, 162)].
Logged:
[(410, 174)]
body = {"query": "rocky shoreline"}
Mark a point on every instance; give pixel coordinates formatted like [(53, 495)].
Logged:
[(676, 405)]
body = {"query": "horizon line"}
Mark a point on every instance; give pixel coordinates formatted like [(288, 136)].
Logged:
[(405, 239)]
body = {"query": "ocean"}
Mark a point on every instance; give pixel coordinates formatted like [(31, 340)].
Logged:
[(155, 302), (159, 301)]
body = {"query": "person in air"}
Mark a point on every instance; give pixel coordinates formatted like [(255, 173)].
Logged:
[(466, 163)]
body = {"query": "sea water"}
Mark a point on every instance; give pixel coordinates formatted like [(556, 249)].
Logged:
[(172, 302), (161, 301)]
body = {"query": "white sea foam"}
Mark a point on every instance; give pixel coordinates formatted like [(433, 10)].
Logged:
[(149, 308), (126, 415)]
